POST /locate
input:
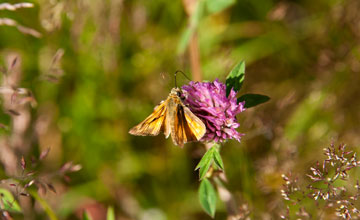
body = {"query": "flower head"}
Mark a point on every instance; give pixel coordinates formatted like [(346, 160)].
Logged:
[(208, 101)]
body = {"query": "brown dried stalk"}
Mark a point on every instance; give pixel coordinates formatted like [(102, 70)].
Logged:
[(194, 53)]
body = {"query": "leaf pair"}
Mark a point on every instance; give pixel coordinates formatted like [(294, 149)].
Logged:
[(207, 193), (235, 80), (212, 155)]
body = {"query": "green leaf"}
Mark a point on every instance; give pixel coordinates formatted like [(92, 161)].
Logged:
[(110, 213), (184, 40), (212, 155), (205, 159), (193, 24), (235, 78), (215, 6), (252, 100), (9, 202), (218, 160), (204, 169), (207, 197), (86, 216), (205, 163), (198, 14)]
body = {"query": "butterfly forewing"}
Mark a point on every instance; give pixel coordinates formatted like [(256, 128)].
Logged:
[(153, 124)]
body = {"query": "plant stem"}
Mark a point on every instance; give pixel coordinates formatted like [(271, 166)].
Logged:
[(195, 58), (194, 54), (224, 194)]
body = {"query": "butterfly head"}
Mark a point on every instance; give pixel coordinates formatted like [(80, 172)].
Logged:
[(176, 91)]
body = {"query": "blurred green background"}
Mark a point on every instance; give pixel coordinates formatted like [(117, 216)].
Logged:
[(118, 63)]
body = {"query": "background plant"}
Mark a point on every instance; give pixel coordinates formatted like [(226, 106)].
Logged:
[(329, 193)]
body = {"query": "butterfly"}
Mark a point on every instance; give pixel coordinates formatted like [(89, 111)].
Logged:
[(172, 117)]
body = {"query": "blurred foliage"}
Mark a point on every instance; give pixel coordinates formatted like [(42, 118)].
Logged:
[(118, 62), (8, 201)]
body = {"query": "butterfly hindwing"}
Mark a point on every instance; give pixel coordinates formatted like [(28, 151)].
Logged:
[(196, 126), (181, 131), (186, 127)]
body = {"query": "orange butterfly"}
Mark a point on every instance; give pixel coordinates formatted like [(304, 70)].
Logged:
[(172, 117)]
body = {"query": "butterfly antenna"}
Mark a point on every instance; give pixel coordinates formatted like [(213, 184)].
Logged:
[(179, 71)]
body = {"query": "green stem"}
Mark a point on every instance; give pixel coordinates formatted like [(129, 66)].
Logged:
[(44, 204)]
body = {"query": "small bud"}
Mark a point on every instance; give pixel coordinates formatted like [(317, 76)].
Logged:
[(44, 154), (23, 163), (51, 187)]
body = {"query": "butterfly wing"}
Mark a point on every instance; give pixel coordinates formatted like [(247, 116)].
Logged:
[(185, 126), (196, 126), (172, 117), (154, 123)]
